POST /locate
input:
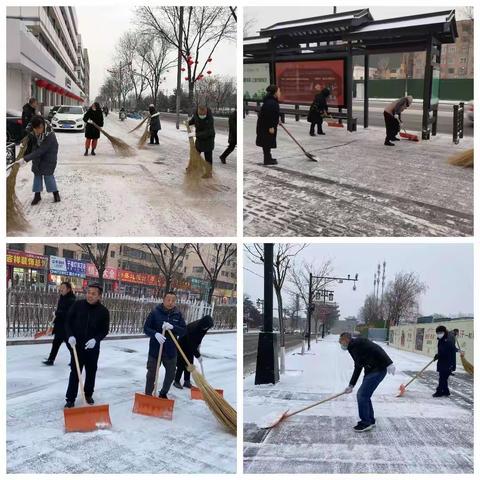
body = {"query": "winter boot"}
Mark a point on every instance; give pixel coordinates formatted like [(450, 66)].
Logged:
[(177, 385), (395, 139), (362, 427), (69, 404), (163, 395), (320, 131), (312, 134), (86, 152), (208, 171), (89, 400), (223, 159), (187, 384), (93, 152), (48, 362), (272, 161), (36, 198), (56, 196), (388, 143)]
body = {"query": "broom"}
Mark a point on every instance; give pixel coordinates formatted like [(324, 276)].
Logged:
[(144, 137), (139, 125), (197, 166), (120, 147), (403, 388), (16, 221), (462, 159), (467, 366), (222, 410)]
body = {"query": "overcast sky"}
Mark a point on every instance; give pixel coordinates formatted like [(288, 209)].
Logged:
[(446, 269), (102, 26), (261, 17)]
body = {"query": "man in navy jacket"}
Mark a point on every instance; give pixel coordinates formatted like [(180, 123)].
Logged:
[(165, 316)]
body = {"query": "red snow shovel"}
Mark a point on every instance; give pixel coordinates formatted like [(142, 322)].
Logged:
[(404, 387), (287, 415), (149, 404), (196, 393), (332, 123), (409, 136), (43, 333), (89, 417)]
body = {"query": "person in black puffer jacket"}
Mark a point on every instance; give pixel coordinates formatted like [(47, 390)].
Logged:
[(88, 323), (267, 124), (154, 125), (92, 133), (446, 360), (371, 358), (204, 135), (66, 300), (190, 344), (318, 109)]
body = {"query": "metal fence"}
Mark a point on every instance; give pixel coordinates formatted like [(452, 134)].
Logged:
[(30, 310), (458, 122)]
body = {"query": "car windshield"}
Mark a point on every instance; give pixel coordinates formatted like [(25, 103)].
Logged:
[(73, 110)]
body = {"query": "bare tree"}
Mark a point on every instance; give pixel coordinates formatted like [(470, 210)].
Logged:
[(222, 253), (203, 29), (249, 25), (218, 92), (370, 311), (169, 259), (98, 253)]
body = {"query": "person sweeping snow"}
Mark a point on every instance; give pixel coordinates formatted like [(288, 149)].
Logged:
[(190, 344), (155, 125), (376, 363), (267, 124), (92, 133), (164, 316), (318, 109), (392, 123), (204, 135), (446, 358)]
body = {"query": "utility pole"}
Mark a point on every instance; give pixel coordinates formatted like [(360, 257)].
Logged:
[(179, 69)]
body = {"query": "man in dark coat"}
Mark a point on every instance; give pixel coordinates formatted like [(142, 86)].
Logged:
[(28, 112), (204, 135), (190, 344), (155, 125), (88, 323), (66, 300), (267, 124), (446, 360), (232, 136), (43, 156), (376, 363), (92, 133), (318, 110), (165, 316)]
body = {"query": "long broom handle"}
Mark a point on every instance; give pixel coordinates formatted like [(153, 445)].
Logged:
[(79, 373), (159, 361), (314, 404), (419, 373), (292, 137), (182, 353)]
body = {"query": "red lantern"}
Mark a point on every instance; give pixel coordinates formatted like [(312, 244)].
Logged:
[(183, 69), (209, 72), (186, 78), (209, 60)]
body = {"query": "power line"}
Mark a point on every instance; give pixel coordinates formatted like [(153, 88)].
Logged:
[(251, 271)]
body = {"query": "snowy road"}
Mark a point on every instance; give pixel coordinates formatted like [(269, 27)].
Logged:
[(193, 442), (358, 188), (144, 195), (415, 433)]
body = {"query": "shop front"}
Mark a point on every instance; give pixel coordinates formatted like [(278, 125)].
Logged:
[(139, 284), (26, 269), (67, 270), (110, 278)]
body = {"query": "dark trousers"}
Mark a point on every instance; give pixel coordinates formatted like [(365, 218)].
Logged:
[(228, 150), (182, 367), (169, 365), (267, 154), (89, 360), (391, 125), (442, 388), (56, 344), (364, 395), (208, 156), (154, 137), (319, 127)]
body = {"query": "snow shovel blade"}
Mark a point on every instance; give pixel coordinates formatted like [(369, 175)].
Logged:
[(335, 124), (277, 421), (153, 406), (402, 390), (196, 393), (409, 136), (86, 419)]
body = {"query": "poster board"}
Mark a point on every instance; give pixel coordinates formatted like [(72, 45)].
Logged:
[(256, 78)]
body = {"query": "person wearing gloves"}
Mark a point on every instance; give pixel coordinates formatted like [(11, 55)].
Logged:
[(154, 124), (165, 316), (392, 124), (92, 133), (190, 344), (66, 300), (204, 135), (446, 361), (88, 323), (370, 357)]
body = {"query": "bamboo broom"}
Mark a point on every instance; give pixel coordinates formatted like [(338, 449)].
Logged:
[(467, 366), (197, 166), (16, 221), (139, 125), (120, 147), (462, 159), (144, 137), (222, 410)]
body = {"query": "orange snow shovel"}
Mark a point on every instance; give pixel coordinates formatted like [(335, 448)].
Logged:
[(89, 417), (151, 405), (43, 333), (286, 414), (196, 393), (409, 136), (404, 387), (332, 123)]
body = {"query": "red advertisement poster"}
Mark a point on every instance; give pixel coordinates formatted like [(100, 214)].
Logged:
[(299, 82)]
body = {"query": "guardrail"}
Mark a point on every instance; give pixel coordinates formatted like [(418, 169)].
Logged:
[(458, 122)]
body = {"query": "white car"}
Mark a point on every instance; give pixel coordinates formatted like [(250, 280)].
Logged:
[(69, 117)]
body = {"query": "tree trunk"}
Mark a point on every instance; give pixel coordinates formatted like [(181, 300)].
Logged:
[(281, 326), (191, 86), (210, 293)]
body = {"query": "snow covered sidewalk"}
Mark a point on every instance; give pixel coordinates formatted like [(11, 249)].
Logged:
[(414, 434), (193, 442), (359, 187), (144, 195)]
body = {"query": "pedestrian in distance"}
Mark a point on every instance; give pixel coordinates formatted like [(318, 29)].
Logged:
[(375, 362), (232, 136), (318, 109), (66, 300), (43, 152), (105, 110), (204, 135), (393, 118), (267, 124), (155, 125), (88, 323), (165, 316), (28, 112), (446, 360), (190, 344), (92, 133)]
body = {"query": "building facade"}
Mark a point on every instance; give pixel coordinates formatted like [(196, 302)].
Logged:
[(45, 57)]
